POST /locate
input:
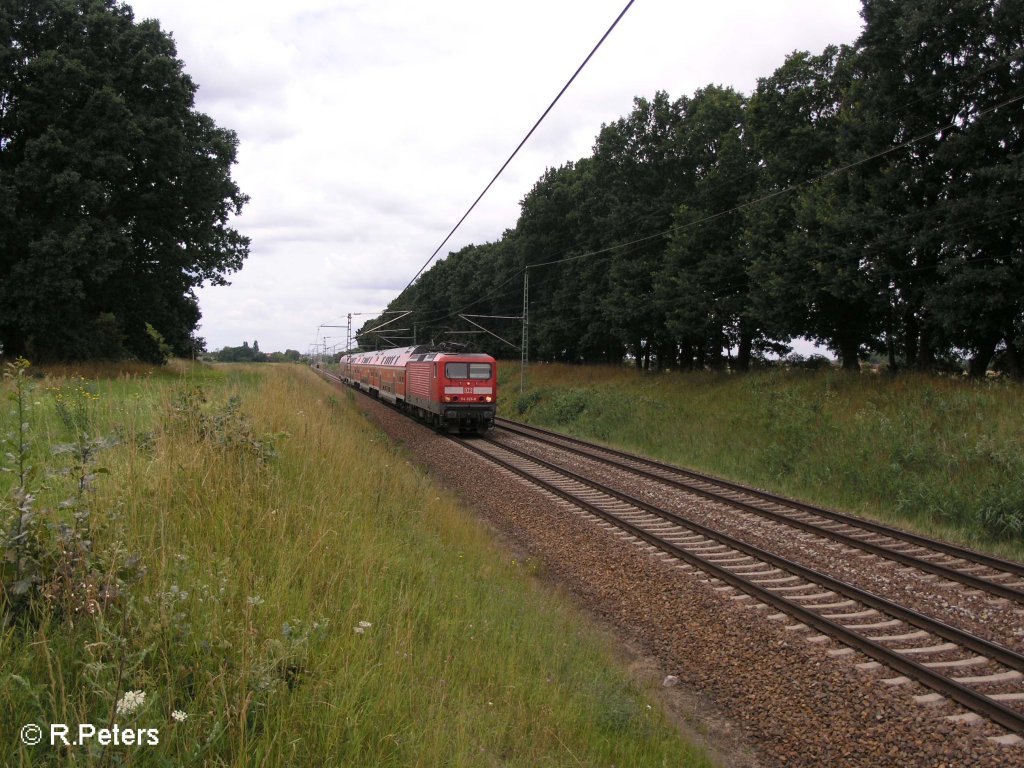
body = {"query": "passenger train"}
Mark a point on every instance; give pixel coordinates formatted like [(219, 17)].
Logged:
[(451, 390)]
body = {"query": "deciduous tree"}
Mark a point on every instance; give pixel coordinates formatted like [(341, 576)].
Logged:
[(117, 193)]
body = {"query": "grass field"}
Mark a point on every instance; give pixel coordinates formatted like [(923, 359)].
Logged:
[(940, 455), (236, 559)]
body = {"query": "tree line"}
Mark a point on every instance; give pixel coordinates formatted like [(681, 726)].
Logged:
[(868, 197), (115, 192), (247, 354)]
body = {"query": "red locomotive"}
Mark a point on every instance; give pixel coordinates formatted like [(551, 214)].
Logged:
[(457, 391)]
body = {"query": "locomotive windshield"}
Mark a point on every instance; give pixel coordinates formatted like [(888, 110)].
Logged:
[(467, 370)]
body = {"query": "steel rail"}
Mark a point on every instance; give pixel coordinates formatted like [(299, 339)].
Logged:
[(943, 571), (993, 710), (1004, 716), (947, 572), (996, 652)]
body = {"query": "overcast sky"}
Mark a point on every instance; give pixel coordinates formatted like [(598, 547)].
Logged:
[(367, 127)]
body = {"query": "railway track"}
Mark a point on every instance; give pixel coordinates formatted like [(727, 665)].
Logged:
[(994, 576), (982, 676)]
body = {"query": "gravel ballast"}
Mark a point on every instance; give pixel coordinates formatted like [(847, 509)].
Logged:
[(756, 691)]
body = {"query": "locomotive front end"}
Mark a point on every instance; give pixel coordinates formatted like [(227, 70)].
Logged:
[(468, 393)]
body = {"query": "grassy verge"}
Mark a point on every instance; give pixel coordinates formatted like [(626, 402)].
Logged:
[(943, 456), (239, 562)]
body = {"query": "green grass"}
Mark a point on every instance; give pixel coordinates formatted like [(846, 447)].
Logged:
[(245, 524), (943, 456)]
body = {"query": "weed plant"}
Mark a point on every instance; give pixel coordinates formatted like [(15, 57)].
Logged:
[(939, 455), (284, 588)]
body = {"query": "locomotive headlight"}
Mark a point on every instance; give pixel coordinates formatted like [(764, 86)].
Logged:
[(487, 399)]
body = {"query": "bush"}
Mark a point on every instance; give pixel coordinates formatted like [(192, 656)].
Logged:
[(527, 401), (50, 567), (569, 405), (1002, 514)]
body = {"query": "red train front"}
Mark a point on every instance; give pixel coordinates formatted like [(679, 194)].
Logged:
[(454, 390)]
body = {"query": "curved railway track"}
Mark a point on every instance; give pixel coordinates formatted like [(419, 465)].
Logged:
[(984, 677), (997, 577)]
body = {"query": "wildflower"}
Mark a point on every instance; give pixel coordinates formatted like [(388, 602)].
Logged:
[(359, 630), (130, 702), (178, 716), (254, 600), (365, 624)]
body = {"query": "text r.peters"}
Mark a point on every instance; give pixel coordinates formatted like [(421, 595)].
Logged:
[(107, 737)]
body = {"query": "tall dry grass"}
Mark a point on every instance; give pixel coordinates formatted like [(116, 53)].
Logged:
[(300, 594)]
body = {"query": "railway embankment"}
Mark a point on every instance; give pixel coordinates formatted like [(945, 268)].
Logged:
[(800, 696), (940, 455), (237, 560)]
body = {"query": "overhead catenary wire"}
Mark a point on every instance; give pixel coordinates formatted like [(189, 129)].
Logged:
[(955, 125), (619, 247), (786, 190), (727, 287), (520, 146), (959, 124)]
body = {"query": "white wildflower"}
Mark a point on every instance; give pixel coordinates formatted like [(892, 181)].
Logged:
[(130, 702), (365, 624), (178, 716), (254, 600), (359, 630)]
